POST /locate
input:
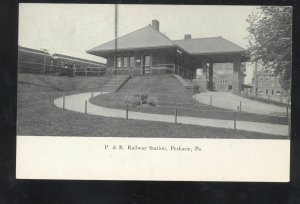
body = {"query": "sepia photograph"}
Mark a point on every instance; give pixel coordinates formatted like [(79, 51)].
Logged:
[(175, 80)]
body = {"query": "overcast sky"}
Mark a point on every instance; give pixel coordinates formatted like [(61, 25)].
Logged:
[(72, 29)]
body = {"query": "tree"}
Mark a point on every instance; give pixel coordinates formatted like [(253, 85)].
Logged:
[(270, 40)]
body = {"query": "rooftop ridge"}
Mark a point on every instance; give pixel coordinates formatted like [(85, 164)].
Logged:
[(197, 38), (132, 33), (90, 51), (218, 43), (232, 42), (117, 38), (171, 41)]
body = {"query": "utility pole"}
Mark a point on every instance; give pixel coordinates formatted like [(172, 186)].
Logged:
[(116, 36)]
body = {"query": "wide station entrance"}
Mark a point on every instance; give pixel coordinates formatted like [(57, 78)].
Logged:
[(206, 63)]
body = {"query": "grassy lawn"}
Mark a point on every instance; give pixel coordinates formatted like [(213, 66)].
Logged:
[(171, 94), (185, 105), (262, 100), (65, 82), (37, 115)]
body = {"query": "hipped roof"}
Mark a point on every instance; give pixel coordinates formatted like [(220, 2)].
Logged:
[(148, 37), (213, 45)]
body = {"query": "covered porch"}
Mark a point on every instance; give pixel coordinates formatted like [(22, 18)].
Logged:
[(206, 63)]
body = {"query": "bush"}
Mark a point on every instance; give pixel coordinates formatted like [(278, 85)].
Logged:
[(152, 100), (141, 97), (136, 99), (133, 100), (144, 97), (128, 99)]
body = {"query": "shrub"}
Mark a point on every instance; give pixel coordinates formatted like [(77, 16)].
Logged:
[(136, 101), (137, 98), (152, 100), (133, 100), (128, 99), (144, 97)]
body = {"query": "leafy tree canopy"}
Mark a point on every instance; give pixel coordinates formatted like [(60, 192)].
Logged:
[(270, 40)]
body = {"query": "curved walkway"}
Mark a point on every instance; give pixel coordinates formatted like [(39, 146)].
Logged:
[(76, 103), (228, 100)]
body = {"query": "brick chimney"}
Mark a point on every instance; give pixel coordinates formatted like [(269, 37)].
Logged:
[(155, 24), (187, 36)]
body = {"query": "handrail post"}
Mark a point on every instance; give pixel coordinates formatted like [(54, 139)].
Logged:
[(175, 120), (210, 103), (234, 123), (173, 69), (142, 105), (85, 107), (127, 111), (64, 103), (240, 106)]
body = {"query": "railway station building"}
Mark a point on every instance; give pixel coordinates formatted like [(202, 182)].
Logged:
[(147, 51)]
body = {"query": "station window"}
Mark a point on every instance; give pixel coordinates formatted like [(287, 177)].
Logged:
[(125, 62), (223, 81), (131, 61), (199, 72), (119, 61)]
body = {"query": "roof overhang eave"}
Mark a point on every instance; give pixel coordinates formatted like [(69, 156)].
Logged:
[(98, 54), (218, 53), (126, 49)]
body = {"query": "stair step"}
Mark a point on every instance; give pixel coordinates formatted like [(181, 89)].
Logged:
[(114, 83)]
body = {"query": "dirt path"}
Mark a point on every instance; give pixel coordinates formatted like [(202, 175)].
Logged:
[(230, 101), (76, 103)]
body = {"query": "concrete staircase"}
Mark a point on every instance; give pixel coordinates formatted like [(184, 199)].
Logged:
[(185, 82), (115, 83)]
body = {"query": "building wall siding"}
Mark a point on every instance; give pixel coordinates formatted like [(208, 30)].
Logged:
[(223, 82)]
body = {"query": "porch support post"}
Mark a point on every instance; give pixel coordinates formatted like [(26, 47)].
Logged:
[(236, 79), (205, 70), (141, 63), (210, 79)]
